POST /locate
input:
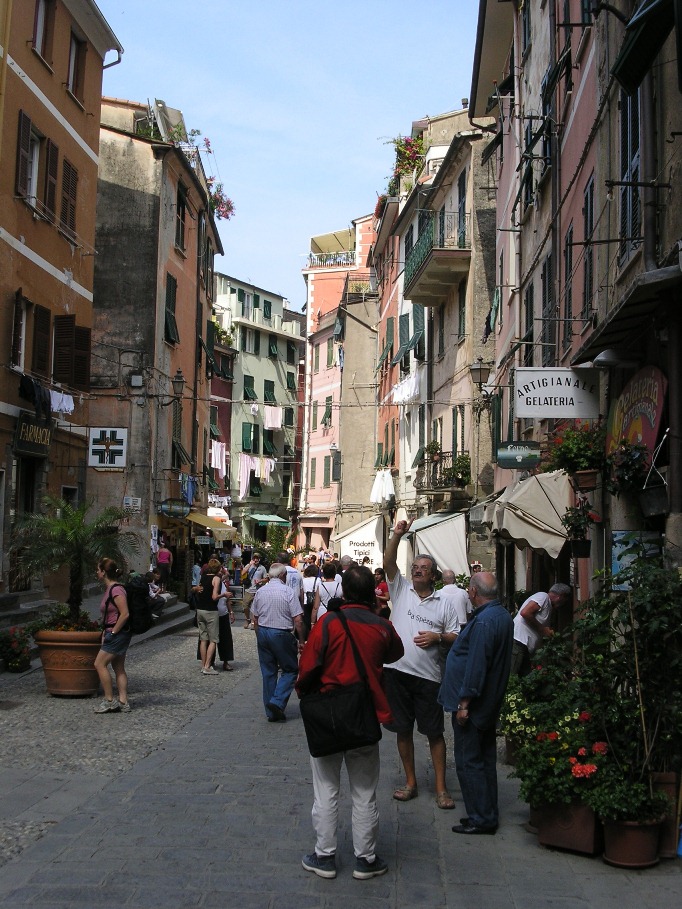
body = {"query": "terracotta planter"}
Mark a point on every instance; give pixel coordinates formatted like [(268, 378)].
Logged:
[(631, 844), (574, 827), (667, 844), (68, 659), (585, 480)]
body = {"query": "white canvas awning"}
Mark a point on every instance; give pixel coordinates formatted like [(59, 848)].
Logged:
[(442, 536), (363, 539), (530, 513)]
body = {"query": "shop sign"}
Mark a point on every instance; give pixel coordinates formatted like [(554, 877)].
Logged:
[(545, 393), (174, 508), (203, 541), (636, 414), (518, 455), (32, 437)]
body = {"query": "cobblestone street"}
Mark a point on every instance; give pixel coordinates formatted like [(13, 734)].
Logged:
[(192, 799)]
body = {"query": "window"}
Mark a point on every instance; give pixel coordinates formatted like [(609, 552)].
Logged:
[(249, 390), (379, 461), (630, 210), (179, 455), (269, 447), (548, 315), (314, 416), (409, 241), (250, 341), (18, 351), (327, 415), (588, 257), (330, 352), (180, 216), (316, 358), (404, 339), (461, 210), (40, 362), (288, 416), (269, 392), (568, 289), (422, 425), (246, 436), (67, 218), (327, 470), (213, 422), (455, 420), (246, 303), (272, 347), (256, 301), (291, 381), (528, 307), (525, 28), (255, 488), (336, 467), (527, 179), (291, 353), (71, 358), (75, 79), (441, 330), (313, 472), (171, 333), (462, 310), (43, 29), (286, 485), (255, 439), (267, 309)]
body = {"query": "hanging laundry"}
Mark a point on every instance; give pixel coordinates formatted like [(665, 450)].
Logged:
[(61, 402), (272, 417)]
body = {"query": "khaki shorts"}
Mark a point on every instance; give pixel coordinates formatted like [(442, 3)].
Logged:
[(207, 620)]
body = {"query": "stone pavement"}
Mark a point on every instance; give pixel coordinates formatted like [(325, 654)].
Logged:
[(193, 799)]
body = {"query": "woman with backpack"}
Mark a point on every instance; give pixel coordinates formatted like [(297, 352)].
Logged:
[(328, 589), (116, 636)]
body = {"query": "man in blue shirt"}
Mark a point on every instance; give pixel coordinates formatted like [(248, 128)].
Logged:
[(475, 680)]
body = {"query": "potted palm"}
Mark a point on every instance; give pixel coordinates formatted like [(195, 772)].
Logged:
[(63, 535)]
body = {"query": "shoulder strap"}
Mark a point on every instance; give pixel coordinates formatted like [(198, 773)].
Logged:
[(359, 662)]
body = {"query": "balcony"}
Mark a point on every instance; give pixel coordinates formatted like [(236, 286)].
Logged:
[(443, 472), (440, 258), (342, 259), (358, 286)]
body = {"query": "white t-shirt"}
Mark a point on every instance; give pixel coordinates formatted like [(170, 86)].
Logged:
[(460, 598), (409, 616), (294, 580), (329, 589), (523, 633)]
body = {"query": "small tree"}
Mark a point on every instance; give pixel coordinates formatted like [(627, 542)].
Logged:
[(62, 535)]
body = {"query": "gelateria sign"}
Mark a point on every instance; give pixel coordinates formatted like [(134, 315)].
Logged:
[(636, 414), (32, 437), (544, 393)]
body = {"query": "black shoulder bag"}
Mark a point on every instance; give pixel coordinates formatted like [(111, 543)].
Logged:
[(342, 718)]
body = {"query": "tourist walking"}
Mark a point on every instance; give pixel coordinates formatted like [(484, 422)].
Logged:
[(116, 636)]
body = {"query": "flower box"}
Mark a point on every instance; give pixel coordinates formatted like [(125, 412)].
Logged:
[(574, 827)]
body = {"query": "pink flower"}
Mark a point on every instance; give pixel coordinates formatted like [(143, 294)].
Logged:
[(600, 748)]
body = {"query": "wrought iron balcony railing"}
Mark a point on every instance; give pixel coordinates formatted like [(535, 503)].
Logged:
[(442, 230), (446, 470), (330, 260)]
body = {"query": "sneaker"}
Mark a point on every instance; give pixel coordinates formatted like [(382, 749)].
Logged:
[(108, 707), (321, 865), (124, 708), (210, 671), (364, 869)]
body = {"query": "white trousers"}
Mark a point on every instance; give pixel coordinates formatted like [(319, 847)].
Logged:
[(362, 765)]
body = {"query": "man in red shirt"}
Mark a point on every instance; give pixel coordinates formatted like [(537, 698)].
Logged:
[(327, 661)]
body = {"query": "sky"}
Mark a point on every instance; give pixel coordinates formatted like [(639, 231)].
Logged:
[(299, 101)]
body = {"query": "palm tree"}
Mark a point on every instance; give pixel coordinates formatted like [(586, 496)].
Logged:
[(62, 535)]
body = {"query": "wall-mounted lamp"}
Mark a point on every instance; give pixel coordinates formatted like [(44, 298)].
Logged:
[(479, 375), (178, 383), (333, 447)]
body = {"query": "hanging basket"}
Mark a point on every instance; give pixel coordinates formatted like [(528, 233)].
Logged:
[(653, 500), (580, 549)]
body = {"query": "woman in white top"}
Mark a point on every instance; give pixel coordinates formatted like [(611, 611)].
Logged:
[(329, 587)]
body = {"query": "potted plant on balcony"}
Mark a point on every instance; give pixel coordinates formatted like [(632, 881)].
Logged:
[(63, 535), (626, 467), (577, 520), (433, 450), (579, 450)]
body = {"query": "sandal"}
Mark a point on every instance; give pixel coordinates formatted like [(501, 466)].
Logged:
[(405, 793), (227, 667), (443, 800)]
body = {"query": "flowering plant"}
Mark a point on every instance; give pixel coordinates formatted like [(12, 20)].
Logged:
[(61, 618), (409, 155), (578, 519), (579, 447), (221, 206), (15, 648), (626, 467)]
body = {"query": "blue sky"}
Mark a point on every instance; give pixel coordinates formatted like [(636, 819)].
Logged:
[(299, 100)]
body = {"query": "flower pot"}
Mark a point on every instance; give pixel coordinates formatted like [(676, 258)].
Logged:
[(580, 549), (574, 827), (511, 748), (68, 659), (653, 500), (667, 844), (585, 480), (631, 844)]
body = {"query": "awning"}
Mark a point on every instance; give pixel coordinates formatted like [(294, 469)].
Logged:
[(530, 512), (645, 35), (220, 530), (442, 536), (267, 519), (363, 539)]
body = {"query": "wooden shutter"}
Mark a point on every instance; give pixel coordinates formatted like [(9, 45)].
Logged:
[(246, 436), (81, 358), (69, 194), (23, 154), (327, 470), (336, 467), (256, 343), (52, 162), (41, 341), (64, 349)]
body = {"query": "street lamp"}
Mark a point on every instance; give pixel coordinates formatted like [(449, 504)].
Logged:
[(479, 375), (178, 383)]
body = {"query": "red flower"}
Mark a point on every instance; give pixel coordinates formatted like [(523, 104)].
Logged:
[(585, 717), (541, 736), (583, 770), (600, 748), (573, 760), (582, 752), (552, 736)]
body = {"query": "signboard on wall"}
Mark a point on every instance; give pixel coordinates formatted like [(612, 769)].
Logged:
[(32, 437), (107, 447), (636, 414), (549, 392), (518, 455), (363, 540)]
